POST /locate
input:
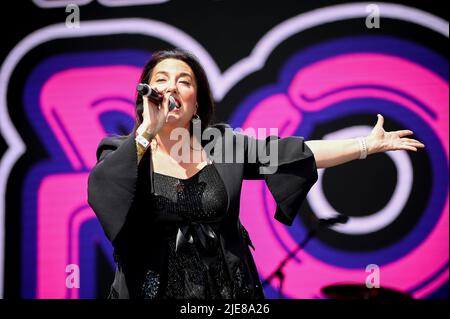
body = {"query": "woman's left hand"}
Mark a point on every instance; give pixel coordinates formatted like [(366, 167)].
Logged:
[(381, 141)]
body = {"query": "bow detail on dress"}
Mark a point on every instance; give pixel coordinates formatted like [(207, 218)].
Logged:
[(204, 233)]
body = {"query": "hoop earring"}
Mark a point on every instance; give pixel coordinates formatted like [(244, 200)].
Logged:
[(196, 121)]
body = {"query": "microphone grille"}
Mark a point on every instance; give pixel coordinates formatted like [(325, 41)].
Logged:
[(142, 88)]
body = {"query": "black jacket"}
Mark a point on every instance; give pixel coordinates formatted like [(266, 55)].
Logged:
[(119, 192)]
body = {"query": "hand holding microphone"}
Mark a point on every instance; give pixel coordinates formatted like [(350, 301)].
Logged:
[(155, 111)]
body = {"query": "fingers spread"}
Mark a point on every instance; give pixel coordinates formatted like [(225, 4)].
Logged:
[(380, 121), (407, 148), (402, 133), (413, 142)]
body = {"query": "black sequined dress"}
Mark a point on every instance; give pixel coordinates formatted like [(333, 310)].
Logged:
[(183, 238), (196, 267)]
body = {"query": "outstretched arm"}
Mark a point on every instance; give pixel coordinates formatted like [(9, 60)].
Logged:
[(329, 153)]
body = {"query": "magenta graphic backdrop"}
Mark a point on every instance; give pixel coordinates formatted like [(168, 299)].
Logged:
[(308, 73)]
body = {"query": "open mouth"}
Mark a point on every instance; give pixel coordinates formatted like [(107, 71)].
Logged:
[(177, 103)]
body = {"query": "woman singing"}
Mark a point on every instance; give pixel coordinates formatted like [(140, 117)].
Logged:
[(174, 220)]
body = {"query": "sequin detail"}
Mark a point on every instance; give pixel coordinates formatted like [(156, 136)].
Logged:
[(193, 271), (198, 197), (151, 285), (194, 275)]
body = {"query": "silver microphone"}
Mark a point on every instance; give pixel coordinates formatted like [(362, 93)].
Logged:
[(156, 97)]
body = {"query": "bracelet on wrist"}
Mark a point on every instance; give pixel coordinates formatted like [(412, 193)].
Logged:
[(363, 151)]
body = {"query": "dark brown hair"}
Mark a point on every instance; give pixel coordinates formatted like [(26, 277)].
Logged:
[(205, 100)]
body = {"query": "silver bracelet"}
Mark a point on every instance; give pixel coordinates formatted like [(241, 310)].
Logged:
[(362, 148)]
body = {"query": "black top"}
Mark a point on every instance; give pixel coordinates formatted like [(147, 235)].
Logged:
[(195, 267)]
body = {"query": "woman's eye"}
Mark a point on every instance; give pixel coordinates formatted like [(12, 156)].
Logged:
[(185, 82), (160, 80)]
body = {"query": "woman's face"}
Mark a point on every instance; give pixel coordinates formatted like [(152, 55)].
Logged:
[(177, 78)]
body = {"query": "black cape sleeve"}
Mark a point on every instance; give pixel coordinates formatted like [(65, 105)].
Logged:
[(112, 182), (290, 178)]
